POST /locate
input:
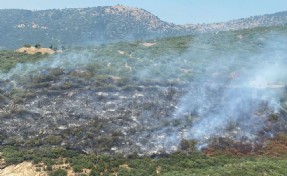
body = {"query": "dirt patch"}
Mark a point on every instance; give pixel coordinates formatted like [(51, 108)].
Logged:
[(33, 50), (125, 166), (23, 169)]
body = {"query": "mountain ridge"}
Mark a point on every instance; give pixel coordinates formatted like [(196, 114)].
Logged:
[(266, 20), (78, 26)]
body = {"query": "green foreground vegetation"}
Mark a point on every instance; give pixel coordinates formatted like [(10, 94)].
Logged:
[(181, 163)]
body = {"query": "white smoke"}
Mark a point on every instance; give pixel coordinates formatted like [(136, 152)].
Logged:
[(234, 85), (244, 97)]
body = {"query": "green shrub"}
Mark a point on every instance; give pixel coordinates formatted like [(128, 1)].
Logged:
[(59, 172), (78, 168), (94, 172), (53, 140)]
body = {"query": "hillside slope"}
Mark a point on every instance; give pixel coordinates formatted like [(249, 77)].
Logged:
[(79, 26), (61, 27), (268, 20), (134, 97), (169, 106)]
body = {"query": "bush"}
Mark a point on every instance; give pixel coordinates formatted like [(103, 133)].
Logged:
[(53, 140), (12, 155), (59, 172), (36, 160), (187, 145), (38, 46), (77, 168), (94, 172)]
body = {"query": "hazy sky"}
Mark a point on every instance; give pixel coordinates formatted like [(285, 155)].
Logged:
[(176, 11)]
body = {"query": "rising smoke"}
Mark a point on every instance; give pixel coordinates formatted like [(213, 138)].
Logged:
[(234, 99), (230, 85)]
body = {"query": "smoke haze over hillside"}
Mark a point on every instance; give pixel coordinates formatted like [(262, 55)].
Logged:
[(151, 98)]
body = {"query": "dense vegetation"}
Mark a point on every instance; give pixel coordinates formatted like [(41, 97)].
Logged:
[(180, 163)]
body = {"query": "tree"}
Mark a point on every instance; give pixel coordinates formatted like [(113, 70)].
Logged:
[(37, 45)]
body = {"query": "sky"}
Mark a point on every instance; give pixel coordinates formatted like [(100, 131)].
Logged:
[(175, 11)]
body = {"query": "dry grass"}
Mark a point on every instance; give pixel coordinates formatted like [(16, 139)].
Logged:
[(33, 50)]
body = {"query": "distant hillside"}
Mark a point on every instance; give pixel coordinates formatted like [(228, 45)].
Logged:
[(276, 19), (78, 26), (105, 24)]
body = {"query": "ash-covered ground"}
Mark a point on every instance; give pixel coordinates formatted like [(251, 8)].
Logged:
[(218, 90)]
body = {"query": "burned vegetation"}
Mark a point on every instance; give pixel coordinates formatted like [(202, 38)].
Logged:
[(213, 93)]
